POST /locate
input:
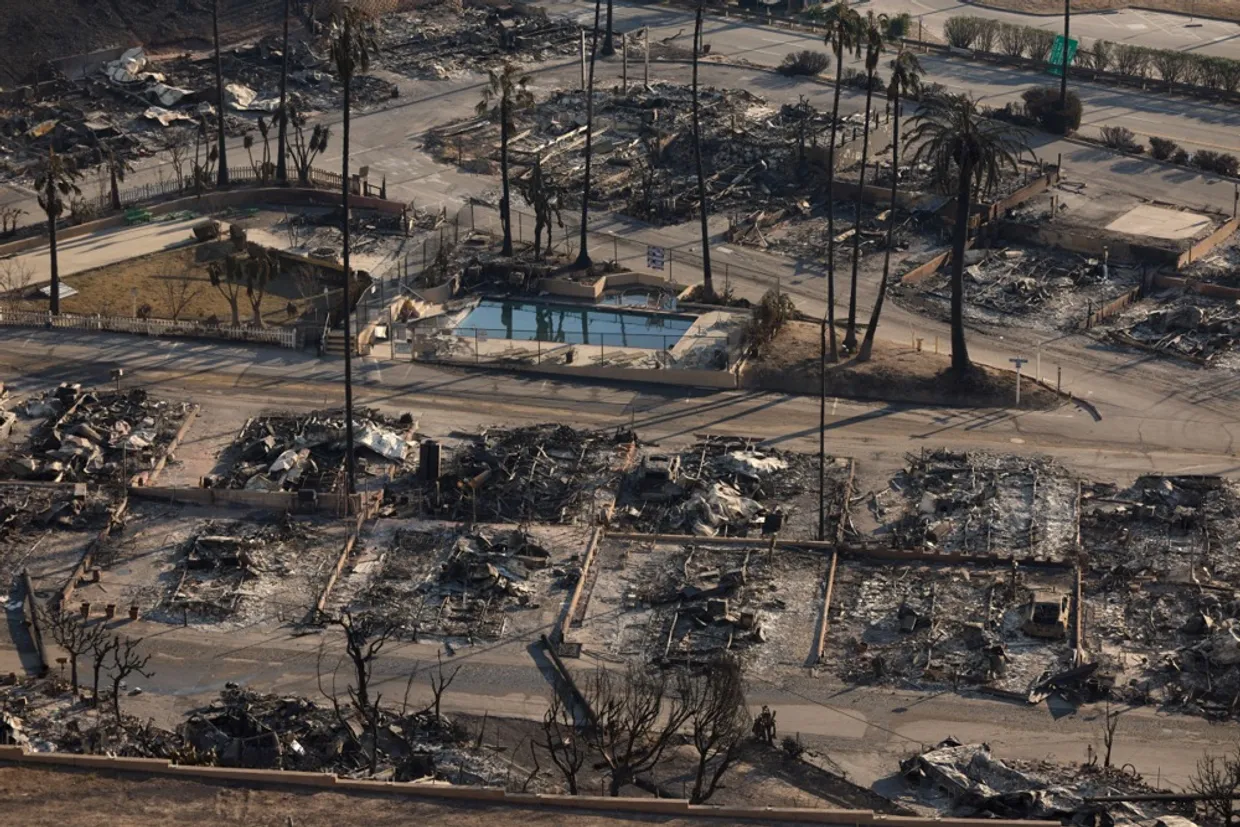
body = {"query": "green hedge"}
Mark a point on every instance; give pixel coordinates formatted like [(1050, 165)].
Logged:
[(1218, 73)]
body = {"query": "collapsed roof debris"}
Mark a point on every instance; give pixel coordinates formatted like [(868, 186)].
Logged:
[(1163, 610), (464, 585), (979, 503), (1187, 325), (543, 473), (97, 436), (224, 563), (966, 780), (287, 452), (643, 149), (721, 486)]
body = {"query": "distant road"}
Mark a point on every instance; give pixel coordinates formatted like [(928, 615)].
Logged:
[(1154, 30)]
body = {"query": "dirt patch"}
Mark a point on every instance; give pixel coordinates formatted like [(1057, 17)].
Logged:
[(1221, 9), (896, 373)]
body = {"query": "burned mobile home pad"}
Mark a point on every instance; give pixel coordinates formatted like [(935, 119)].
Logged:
[(986, 537)]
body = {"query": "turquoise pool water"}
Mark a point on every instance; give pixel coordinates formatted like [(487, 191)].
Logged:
[(573, 324)]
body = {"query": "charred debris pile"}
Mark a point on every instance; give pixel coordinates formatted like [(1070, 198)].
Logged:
[(541, 473), (306, 452), (722, 486), (95, 436)]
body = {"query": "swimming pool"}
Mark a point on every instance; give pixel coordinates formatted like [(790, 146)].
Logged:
[(573, 324)]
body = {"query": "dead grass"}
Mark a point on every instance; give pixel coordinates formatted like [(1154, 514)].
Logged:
[(109, 290), (38, 797), (1220, 9), (895, 374)]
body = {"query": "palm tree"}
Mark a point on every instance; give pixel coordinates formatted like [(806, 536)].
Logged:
[(352, 45), (282, 114), (222, 178), (583, 257), (905, 79), (118, 168), (708, 281), (970, 152), (512, 93), (843, 36), (55, 181), (875, 27), (609, 43)]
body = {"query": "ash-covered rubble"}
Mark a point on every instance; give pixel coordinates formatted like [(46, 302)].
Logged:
[(251, 729), (968, 781), (980, 503), (95, 436), (462, 585), (444, 40), (541, 473), (244, 728), (708, 601), (755, 156), (224, 563), (930, 625), (1164, 610), (306, 452), (719, 486), (28, 512), (1014, 285), (1183, 324)]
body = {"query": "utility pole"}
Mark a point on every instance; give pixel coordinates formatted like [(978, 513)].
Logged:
[(646, 80), (624, 62), (583, 59), (1063, 80)]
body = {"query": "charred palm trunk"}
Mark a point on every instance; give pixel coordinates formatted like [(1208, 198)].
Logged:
[(835, 114), (505, 202), (708, 281), (850, 337), (52, 213), (583, 257), (867, 344), (282, 138), (350, 457), (960, 237), (609, 43), (222, 174)]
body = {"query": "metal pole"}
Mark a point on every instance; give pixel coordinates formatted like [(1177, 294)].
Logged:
[(1059, 378), (646, 81), (476, 359), (1018, 386), (583, 59), (1038, 374), (624, 62), (615, 248), (1063, 82)]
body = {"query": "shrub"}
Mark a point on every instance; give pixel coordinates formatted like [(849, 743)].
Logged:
[(1099, 56), (1171, 65), (1013, 40), (806, 62), (1162, 148), (1042, 104), (987, 33), (1121, 138), (770, 315), (1132, 60), (962, 32), (899, 25), (1180, 156), (1217, 162), (1040, 42), (792, 747)]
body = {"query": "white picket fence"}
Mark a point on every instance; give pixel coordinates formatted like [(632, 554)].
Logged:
[(284, 337)]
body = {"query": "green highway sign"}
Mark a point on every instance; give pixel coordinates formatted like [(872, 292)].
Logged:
[(1055, 61)]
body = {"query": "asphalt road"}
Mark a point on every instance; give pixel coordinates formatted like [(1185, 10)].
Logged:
[(1137, 27)]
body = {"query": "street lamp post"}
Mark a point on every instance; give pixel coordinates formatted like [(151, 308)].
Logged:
[(1063, 80)]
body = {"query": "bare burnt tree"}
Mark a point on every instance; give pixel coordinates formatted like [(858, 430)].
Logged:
[(718, 723), (567, 746), (365, 636), (636, 718), (1109, 724), (179, 292), (176, 143), (126, 661), (1217, 781), (74, 636), (439, 684), (101, 647)]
